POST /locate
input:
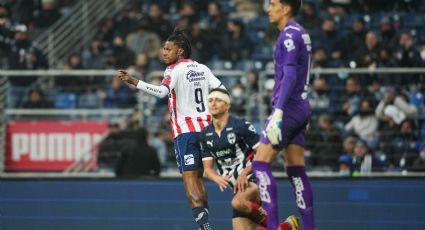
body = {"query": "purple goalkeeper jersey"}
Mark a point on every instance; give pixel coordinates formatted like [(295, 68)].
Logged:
[(292, 68)]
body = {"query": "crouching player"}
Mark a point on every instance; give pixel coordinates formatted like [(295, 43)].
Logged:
[(230, 142)]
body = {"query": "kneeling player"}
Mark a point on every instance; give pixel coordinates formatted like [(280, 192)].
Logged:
[(230, 142)]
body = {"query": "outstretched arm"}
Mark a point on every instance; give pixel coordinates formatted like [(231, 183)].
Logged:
[(155, 90)]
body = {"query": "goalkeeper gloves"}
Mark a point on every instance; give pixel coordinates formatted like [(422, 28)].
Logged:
[(274, 128)]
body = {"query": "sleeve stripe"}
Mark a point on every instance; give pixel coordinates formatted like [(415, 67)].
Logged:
[(256, 145), (207, 158)]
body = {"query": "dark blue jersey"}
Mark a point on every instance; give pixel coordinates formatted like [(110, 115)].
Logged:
[(231, 147)]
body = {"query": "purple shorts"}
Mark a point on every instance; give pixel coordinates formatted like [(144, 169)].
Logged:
[(293, 129)]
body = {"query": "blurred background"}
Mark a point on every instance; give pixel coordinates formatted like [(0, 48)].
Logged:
[(64, 116)]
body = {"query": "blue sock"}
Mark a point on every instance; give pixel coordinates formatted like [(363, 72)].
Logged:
[(201, 217)]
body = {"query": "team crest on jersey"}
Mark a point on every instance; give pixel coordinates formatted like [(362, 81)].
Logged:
[(231, 137), (251, 128)]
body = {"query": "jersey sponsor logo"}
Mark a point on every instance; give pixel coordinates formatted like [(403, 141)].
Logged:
[(289, 44), (153, 89), (192, 75), (208, 134), (222, 153), (299, 188), (263, 183), (192, 65), (229, 129), (231, 137), (189, 159)]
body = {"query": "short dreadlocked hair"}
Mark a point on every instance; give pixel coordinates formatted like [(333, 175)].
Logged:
[(182, 41)]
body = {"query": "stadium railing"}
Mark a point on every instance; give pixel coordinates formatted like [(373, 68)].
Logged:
[(12, 114)]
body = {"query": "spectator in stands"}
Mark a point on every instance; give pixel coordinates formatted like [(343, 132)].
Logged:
[(348, 104), (235, 45), (363, 160), (399, 101), (48, 14), (370, 52), (384, 59), (248, 9), (124, 57), (238, 99), (320, 58), (110, 148), (329, 38), (416, 97), (36, 100), (309, 17), (216, 22), (201, 43), (22, 11), (138, 158), (319, 97), (403, 148), (354, 40), (129, 22), (335, 7), (157, 21), (389, 35), (389, 128), (106, 32), (419, 163), (119, 95), (345, 160), (22, 55), (73, 83), (407, 54), (376, 91), (324, 142), (365, 123), (142, 64), (93, 56), (144, 41)]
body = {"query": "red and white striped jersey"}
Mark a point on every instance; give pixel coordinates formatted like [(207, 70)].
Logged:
[(189, 83)]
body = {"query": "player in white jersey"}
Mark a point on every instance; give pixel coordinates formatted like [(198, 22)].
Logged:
[(229, 142), (186, 83)]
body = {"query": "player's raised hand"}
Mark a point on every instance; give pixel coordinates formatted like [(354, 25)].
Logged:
[(274, 128), (125, 77)]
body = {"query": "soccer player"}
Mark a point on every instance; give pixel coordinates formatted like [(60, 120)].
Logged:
[(186, 83), (230, 141), (285, 127)]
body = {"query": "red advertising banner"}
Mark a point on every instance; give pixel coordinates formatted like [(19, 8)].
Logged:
[(50, 145)]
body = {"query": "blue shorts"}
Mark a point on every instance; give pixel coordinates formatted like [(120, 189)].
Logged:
[(188, 153)]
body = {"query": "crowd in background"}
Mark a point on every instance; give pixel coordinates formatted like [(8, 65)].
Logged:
[(361, 123)]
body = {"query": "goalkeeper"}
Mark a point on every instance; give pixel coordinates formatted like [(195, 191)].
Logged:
[(285, 127)]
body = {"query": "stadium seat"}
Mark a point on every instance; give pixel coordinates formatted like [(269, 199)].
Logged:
[(412, 21), (88, 100), (65, 100)]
